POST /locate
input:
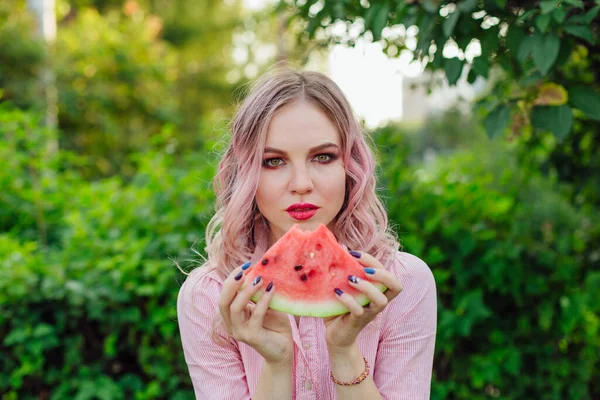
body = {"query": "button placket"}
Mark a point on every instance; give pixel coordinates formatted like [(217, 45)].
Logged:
[(308, 384), (307, 336), (297, 337)]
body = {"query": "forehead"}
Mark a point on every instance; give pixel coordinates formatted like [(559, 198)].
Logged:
[(301, 125)]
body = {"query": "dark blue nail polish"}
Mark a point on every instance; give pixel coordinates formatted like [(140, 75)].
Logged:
[(353, 278), (370, 270), (239, 276), (338, 291), (269, 287), (256, 280), (355, 254), (245, 266)]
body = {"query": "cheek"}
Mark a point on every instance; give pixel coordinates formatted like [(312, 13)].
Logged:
[(334, 184), (268, 189)]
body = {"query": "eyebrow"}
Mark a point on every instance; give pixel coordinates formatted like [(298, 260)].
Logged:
[(312, 150)]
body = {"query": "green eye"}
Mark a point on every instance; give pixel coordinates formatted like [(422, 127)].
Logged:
[(323, 157), (273, 162)]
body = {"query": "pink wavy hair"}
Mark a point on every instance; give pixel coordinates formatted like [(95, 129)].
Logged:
[(238, 232)]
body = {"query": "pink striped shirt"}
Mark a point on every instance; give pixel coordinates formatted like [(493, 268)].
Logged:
[(398, 344)]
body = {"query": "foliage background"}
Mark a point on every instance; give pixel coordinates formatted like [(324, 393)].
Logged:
[(508, 224)]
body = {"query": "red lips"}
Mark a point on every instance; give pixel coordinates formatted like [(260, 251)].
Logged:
[(301, 207)]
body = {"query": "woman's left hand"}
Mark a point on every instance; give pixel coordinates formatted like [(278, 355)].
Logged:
[(342, 330)]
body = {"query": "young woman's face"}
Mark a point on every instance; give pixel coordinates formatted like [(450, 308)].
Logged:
[(302, 179)]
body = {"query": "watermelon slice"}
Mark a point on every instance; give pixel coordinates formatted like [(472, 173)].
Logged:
[(305, 268)]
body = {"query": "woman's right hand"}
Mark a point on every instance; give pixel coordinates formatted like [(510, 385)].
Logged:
[(265, 330)]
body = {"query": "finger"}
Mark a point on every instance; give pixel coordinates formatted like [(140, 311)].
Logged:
[(232, 284), (258, 314), (243, 297), (230, 289), (366, 259), (378, 299), (386, 278), (356, 310)]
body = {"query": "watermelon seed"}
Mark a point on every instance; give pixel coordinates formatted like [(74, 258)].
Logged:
[(303, 277), (298, 267), (312, 255), (265, 261)]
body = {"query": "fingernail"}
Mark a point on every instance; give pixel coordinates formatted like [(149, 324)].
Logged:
[(245, 266), (353, 278), (269, 287), (239, 276), (370, 270), (355, 254), (256, 280), (338, 291)]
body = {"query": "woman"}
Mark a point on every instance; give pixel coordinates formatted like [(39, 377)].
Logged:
[(295, 145)]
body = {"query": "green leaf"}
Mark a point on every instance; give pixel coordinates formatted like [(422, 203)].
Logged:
[(578, 19), (472, 76), (467, 6), (453, 67), (426, 25), (370, 14), (526, 48), (576, 3), (559, 14), (496, 121), (548, 6), (514, 38), (557, 120), (592, 14), (542, 22), (585, 19), (582, 32), (531, 79), (490, 41), (566, 49), (430, 6), (481, 65), (380, 22), (313, 24), (545, 50), (527, 14), (587, 100), (450, 23)]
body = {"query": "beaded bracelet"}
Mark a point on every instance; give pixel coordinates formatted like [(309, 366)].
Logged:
[(358, 380)]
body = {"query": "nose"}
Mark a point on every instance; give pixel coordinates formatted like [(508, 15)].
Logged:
[(301, 182)]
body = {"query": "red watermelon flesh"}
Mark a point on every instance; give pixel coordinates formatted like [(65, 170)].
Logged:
[(305, 268)]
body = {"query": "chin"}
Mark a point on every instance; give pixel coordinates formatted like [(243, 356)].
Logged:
[(310, 224)]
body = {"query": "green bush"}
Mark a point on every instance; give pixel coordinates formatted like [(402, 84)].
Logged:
[(89, 311), (21, 56), (88, 292), (518, 306), (116, 83)]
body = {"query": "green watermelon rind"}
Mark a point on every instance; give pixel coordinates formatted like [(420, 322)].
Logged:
[(322, 309)]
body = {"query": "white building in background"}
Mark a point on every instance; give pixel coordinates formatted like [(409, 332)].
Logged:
[(417, 104), (383, 89)]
